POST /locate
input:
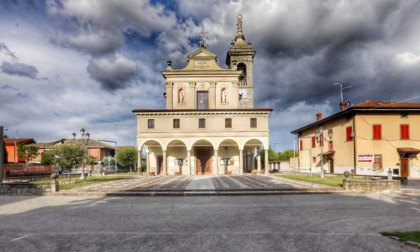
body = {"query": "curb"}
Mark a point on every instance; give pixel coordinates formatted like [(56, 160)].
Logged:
[(189, 193), (410, 243)]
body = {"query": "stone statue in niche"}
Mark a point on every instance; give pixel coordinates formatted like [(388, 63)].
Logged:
[(181, 95), (224, 95)]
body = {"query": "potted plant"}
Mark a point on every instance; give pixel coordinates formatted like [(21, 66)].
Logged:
[(152, 173), (254, 172), (261, 171), (229, 172), (176, 173)]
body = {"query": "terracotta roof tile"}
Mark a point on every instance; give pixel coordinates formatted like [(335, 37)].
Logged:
[(386, 104)]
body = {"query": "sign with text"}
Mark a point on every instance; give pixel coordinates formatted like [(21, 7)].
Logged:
[(202, 65), (364, 158)]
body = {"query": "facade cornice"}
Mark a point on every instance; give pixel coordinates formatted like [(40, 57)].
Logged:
[(157, 112)]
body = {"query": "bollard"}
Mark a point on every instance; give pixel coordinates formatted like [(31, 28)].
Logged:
[(54, 183), (389, 174)]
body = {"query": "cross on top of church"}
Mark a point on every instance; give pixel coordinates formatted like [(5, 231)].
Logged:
[(203, 37)]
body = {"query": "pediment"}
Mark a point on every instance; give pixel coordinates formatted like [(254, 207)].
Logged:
[(202, 53)]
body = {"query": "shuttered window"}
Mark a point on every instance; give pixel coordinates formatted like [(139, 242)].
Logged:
[(301, 145), (349, 131), (313, 142), (321, 140), (377, 132), (404, 132)]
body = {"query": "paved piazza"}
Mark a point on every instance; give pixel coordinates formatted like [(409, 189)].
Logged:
[(206, 182)]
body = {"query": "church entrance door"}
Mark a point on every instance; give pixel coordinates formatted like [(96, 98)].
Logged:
[(203, 160)]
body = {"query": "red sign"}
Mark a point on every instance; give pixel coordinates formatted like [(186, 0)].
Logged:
[(365, 158)]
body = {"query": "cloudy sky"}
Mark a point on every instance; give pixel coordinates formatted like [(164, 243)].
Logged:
[(68, 64)]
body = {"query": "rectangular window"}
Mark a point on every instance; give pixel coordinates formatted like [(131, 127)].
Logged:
[(330, 146), (301, 145), (176, 124), (202, 100), (313, 142), (377, 132), (348, 133), (253, 122), (151, 123), (202, 123), (377, 162), (228, 122), (404, 132)]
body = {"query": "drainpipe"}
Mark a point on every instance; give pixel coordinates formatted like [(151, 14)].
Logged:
[(354, 145)]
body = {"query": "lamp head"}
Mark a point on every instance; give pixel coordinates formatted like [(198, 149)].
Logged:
[(82, 131), (74, 136)]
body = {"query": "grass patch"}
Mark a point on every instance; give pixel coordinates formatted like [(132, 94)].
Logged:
[(336, 181), (87, 181), (413, 236)]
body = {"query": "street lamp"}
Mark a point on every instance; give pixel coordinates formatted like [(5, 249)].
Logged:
[(319, 135), (85, 140)]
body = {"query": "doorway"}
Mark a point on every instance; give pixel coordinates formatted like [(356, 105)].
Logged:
[(404, 167), (331, 166), (203, 160)]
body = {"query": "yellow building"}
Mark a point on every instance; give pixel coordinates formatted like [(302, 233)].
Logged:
[(367, 139), (210, 125)]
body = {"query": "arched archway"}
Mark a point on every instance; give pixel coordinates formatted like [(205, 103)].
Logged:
[(177, 157), (242, 78), (154, 156), (229, 156), (204, 161), (252, 149)]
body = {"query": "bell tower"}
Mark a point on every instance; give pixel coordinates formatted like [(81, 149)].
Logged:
[(241, 57)]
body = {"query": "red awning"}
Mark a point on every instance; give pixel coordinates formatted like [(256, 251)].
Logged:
[(408, 152)]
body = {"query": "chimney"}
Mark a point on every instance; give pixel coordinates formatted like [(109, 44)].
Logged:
[(319, 116), (344, 105)]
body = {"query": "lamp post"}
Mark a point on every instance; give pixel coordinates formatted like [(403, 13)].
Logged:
[(320, 138), (85, 140)]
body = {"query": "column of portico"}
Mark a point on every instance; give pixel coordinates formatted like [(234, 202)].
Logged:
[(241, 162), (266, 161), (139, 163), (259, 160), (189, 161), (216, 158), (165, 170), (148, 160)]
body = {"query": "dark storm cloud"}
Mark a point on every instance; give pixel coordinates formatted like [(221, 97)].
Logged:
[(19, 69), (113, 72), (300, 60)]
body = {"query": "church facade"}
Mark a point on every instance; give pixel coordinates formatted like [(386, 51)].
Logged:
[(210, 125)]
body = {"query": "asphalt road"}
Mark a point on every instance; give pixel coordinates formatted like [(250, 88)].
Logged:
[(247, 223)]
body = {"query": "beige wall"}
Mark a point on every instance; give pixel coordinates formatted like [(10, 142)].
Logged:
[(391, 140), (227, 141), (344, 158)]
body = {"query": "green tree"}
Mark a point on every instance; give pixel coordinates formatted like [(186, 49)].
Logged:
[(127, 156), (28, 152), (286, 155), (92, 161), (47, 157), (69, 155)]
